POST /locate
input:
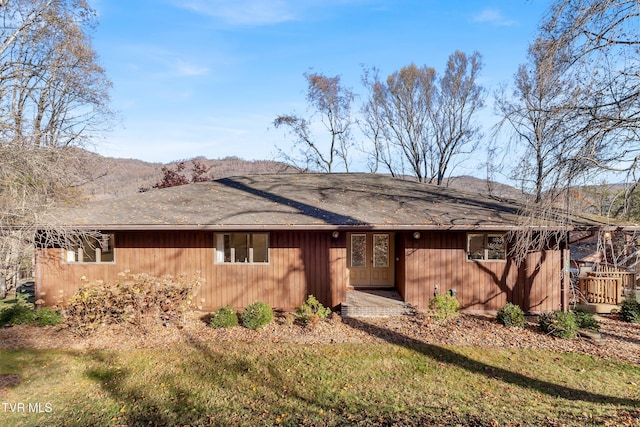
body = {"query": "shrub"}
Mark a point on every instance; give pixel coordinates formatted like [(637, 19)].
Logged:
[(23, 313), (18, 313), (585, 320), (511, 315), (257, 315), (311, 309), (47, 316), (224, 317), (444, 306), (559, 324), (630, 309), (131, 299)]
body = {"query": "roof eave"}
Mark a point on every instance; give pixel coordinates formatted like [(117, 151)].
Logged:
[(312, 227)]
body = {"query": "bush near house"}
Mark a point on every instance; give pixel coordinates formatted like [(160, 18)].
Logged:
[(312, 309), (559, 324), (224, 317), (23, 313), (566, 324), (444, 307), (511, 315), (257, 315), (586, 320), (131, 299), (630, 309)]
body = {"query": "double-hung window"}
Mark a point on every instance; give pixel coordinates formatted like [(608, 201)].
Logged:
[(90, 249), (486, 247), (250, 248)]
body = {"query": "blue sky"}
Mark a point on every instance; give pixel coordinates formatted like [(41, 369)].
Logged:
[(207, 78)]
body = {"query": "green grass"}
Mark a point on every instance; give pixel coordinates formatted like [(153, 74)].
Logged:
[(277, 384)]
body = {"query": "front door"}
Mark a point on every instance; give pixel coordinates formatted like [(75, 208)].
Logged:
[(371, 259)]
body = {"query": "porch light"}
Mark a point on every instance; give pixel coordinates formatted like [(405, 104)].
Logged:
[(416, 235), (335, 234)]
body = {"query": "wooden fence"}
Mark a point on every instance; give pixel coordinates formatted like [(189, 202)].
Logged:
[(628, 278), (606, 286), (601, 290)]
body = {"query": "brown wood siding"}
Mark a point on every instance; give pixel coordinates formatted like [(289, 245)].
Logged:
[(400, 265), (436, 263), (300, 264), (314, 263)]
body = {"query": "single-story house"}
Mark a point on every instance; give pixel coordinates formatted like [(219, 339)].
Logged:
[(280, 238)]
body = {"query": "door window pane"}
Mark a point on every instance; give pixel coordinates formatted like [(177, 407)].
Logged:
[(358, 250), (381, 250)]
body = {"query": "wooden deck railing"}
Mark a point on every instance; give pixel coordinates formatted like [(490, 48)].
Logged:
[(628, 278), (601, 290)]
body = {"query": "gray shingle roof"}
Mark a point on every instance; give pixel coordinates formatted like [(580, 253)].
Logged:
[(314, 201)]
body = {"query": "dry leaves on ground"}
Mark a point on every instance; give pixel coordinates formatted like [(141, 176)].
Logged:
[(619, 340)]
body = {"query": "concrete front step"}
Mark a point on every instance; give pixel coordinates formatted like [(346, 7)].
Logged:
[(374, 303)]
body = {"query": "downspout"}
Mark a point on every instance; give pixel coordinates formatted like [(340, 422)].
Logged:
[(565, 278), (37, 276)]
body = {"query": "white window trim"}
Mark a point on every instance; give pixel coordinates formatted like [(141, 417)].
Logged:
[(485, 257), (72, 256), (219, 250)]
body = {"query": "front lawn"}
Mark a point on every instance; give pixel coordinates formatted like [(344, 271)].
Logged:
[(241, 383)]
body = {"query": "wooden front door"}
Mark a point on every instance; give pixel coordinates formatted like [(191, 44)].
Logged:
[(371, 259)]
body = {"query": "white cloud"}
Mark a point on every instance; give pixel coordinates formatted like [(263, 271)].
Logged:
[(493, 16), (243, 12), (184, 69), (161, 62)]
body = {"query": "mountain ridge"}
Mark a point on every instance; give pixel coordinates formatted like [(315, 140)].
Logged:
[(113, 177)]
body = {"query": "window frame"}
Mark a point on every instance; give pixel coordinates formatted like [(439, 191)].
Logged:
[(485, 247), (220, 248), (79, 255)]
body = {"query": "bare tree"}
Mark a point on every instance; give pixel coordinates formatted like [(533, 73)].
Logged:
[(459, 98), (372, 125), (397, 117), (330, 103), (602, 42), (547, 146), (427, 122), (53, 92), (543, 127), (53, 98), (579, 105)]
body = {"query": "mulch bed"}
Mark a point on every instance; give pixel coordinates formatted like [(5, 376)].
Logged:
[(618, 340)]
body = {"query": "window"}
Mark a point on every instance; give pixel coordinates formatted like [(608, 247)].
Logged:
[(90, 249), (358, 250), (381, 250), (486, 247), (242, 248)]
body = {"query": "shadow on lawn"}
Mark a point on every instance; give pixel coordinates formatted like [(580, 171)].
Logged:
[(443, 355), (214, 367)]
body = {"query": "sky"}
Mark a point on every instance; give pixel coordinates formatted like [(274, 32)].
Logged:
[(208, 77)]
